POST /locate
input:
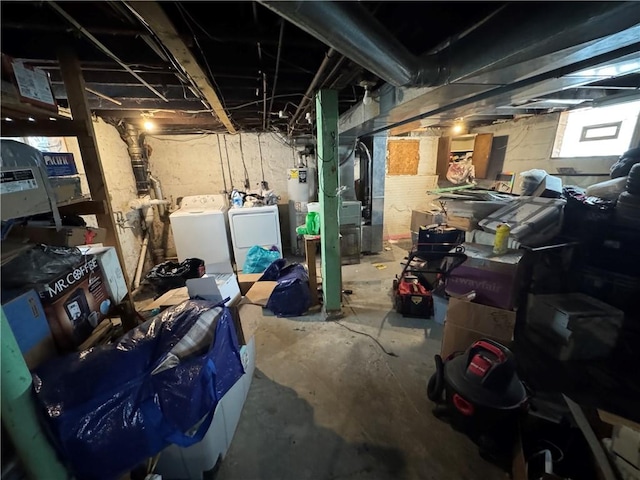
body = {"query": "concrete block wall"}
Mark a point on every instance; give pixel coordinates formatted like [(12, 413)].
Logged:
[(122, 189), (186, 165), (403, 193), (530, 145), (191, 164)]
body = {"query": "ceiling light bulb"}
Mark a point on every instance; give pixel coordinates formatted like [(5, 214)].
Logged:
[(148, 125), (31, 119), (457, 128), (8, 119), (367, 97)]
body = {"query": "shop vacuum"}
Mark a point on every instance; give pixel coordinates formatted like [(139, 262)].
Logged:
[(479, 393)]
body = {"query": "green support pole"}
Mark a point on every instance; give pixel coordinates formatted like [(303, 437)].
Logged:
[(327, 121), (19, 412)]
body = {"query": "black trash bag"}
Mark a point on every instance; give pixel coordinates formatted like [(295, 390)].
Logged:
[(627, 160), (39, 265), (169, 275), (586, 217)]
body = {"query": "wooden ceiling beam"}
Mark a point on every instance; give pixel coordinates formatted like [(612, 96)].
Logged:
[(153, 15), (42, 128)]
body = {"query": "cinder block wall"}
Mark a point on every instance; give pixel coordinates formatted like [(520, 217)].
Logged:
[(403, 193)]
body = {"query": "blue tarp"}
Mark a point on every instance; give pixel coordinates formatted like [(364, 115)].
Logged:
[(291, 297), (108, 413)]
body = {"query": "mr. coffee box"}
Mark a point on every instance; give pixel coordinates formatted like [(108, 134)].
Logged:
[(75, 303)]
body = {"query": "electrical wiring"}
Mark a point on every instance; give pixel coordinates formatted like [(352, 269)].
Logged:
[(228, 162), (255, 102), (286, 62), (280, 140), (183, 11), (244, 165), (261, 159), (224, 178), (391, 354), (207, 34)]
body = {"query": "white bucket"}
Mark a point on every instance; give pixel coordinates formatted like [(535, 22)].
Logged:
[(313, 207)]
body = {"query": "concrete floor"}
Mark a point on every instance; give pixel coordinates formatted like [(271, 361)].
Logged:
[(327, 403)]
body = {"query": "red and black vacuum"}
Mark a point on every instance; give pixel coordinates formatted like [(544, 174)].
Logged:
[(479, 392)]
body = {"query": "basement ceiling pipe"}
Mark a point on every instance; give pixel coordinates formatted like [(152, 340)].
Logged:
[(515, 34), (140, 171)]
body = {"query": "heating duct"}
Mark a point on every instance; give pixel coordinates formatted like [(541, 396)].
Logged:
[(513, 34)]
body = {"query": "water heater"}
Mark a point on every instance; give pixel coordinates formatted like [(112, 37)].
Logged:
[(300, 187)]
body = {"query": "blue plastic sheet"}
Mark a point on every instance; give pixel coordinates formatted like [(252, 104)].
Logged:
[(108, 413), (258, 259), (291, 297)]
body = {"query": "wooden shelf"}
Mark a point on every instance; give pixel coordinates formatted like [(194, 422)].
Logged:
[(30, 120), (11, 105), (82, 206), (481, 149)]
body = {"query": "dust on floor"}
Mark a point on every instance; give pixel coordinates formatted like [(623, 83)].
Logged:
[(328, 403)]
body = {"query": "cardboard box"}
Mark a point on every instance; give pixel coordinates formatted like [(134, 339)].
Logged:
[(75, 303), (29, 325), (250, 318), (246, 281), (468, 322), (462, 223), (550, 187), (168, 299), (108, 259), (498, 280), (260, 292), (421, 218), (65, 237), (59, 164)]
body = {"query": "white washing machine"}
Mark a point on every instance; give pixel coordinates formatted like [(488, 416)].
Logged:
[(200, 230), (251, 226)]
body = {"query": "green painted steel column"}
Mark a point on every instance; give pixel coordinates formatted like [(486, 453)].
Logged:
[(328, 182), (19, 412)]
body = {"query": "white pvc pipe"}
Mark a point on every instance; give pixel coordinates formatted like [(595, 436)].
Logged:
[(157, 188), (140, 267), (146, 202)]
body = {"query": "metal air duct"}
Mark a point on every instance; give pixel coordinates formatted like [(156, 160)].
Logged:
[(349, 28), (513, 34)]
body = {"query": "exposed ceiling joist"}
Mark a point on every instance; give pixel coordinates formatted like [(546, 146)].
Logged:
[(153, 15)]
